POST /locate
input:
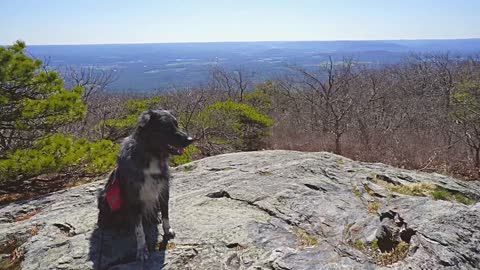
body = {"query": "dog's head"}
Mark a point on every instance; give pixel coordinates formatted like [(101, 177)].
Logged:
[(158, 129)]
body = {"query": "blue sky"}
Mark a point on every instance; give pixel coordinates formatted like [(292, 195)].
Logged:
[(150, 21)]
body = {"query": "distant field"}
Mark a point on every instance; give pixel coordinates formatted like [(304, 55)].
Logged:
[(144, 67)]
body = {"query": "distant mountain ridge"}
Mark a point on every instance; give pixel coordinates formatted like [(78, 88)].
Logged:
[(155, 66)]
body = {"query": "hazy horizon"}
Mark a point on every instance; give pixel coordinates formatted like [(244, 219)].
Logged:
[(255, 41), (144, 66)]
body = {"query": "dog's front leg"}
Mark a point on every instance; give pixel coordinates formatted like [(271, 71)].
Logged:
[(142, 250), (168, 232)]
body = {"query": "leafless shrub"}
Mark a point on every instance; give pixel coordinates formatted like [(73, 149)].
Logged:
[(405, 114)]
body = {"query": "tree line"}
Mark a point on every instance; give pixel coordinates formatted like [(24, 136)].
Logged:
[(423, 113)]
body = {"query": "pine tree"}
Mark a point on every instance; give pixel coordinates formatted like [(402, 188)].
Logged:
[(33, 100)]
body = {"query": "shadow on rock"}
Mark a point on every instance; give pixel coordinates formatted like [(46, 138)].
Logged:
[(116, 250)]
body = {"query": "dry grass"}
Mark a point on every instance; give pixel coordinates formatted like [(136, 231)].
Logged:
[(305, 239), (359, 245), (427, 190), (373, 207), (19, 191), (356, 192), (16, 196), (399, 252), (33, 231), (27, 215), (419, 189), (11, 247), (171, 245), (368, 190), (163, 246), (443, 194)]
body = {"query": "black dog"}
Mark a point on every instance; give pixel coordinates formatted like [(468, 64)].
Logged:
[(138, 189)]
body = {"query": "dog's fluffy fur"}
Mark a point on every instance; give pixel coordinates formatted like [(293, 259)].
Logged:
[(142, 172)]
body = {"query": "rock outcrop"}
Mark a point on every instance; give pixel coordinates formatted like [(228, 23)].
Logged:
[(266, 210)]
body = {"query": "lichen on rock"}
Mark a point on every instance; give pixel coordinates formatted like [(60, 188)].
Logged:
[(268, 210)]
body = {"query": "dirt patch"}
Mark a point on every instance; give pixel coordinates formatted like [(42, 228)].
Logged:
[(28, 215), (11, 253), (12, 191)]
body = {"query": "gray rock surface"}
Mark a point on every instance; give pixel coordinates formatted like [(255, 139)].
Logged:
[(265, 210)]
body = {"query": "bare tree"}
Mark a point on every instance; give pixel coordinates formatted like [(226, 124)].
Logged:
[(466, 108), (93, 80), (186, 104), (328, 93), (99, 103), (234, 83)]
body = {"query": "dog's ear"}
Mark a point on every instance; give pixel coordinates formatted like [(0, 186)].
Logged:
[(144, 118)]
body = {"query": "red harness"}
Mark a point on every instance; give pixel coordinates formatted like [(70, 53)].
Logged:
[(114, 196)]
